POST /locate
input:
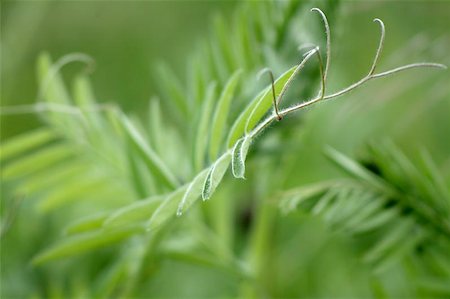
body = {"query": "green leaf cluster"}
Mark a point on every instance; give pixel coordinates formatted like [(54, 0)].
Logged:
[(116, 199)]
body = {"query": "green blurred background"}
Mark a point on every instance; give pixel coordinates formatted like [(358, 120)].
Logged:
[(128, 39), (125, 38)]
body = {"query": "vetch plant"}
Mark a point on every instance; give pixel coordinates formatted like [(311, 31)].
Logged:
[(255, 110), (135, 180)]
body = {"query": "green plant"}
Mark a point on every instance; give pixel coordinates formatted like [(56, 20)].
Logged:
[(135, 180), (402, 205)]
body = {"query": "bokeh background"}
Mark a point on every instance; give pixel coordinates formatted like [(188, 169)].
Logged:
[(128, 40)]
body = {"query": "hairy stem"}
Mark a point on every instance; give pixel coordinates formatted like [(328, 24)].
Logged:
[(317, 99), (380, 47), (328, 36)]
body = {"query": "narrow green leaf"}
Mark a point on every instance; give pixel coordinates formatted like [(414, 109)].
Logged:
[(263, 13), (110, 279), (155, 124), (377, 220), (73, 168), (79, 189), (354, 204), (166, 209), (134, 213), (152, 160), (172, 90), (292, 198), (218, 126), (201, 140), (325, 201), (357, 171), (410, 172), (51, 82), (82, 243), (399, 233), (96, 131), (400, 250), (245, 42), (374, 206), (196, 80), (222, 33), (90, 223), (37, 161), (137, 176), (193, 192), (215, 175), (25, 142), (333, 211), (83, 94), (257, 108), (238, 157), (216, 59), (438, 179)]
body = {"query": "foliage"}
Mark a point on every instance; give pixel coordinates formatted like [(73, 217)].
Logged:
[(394, 209), (128, 188)]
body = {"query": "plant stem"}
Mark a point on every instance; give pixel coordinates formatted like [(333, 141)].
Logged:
[(319, 98)]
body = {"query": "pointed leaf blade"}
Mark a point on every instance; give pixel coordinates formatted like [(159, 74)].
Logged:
[(153, 161), (84, 242), (256, 109), (201, 140), (215, 175), (134, 213), (221, 115), (239, 155)]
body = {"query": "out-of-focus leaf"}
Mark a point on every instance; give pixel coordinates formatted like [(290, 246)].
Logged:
[(155, 124), (172, 90), (435, 285), (83, 94), (437, 178), (374, 205), (245, 43), (90, 223), (356, 170), (218, 126), (166, 209), (201, 139), (37, 161), (75, 190), (292, 198), (218, 63), (152, 160), (353, 205), (110, 279), (51, 83), (399, 250), (325, 201), (134, 213), (84, 242), (222, 30), (395, 236), (379, 219), (25, 142), (138, 179), (197, 80)]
